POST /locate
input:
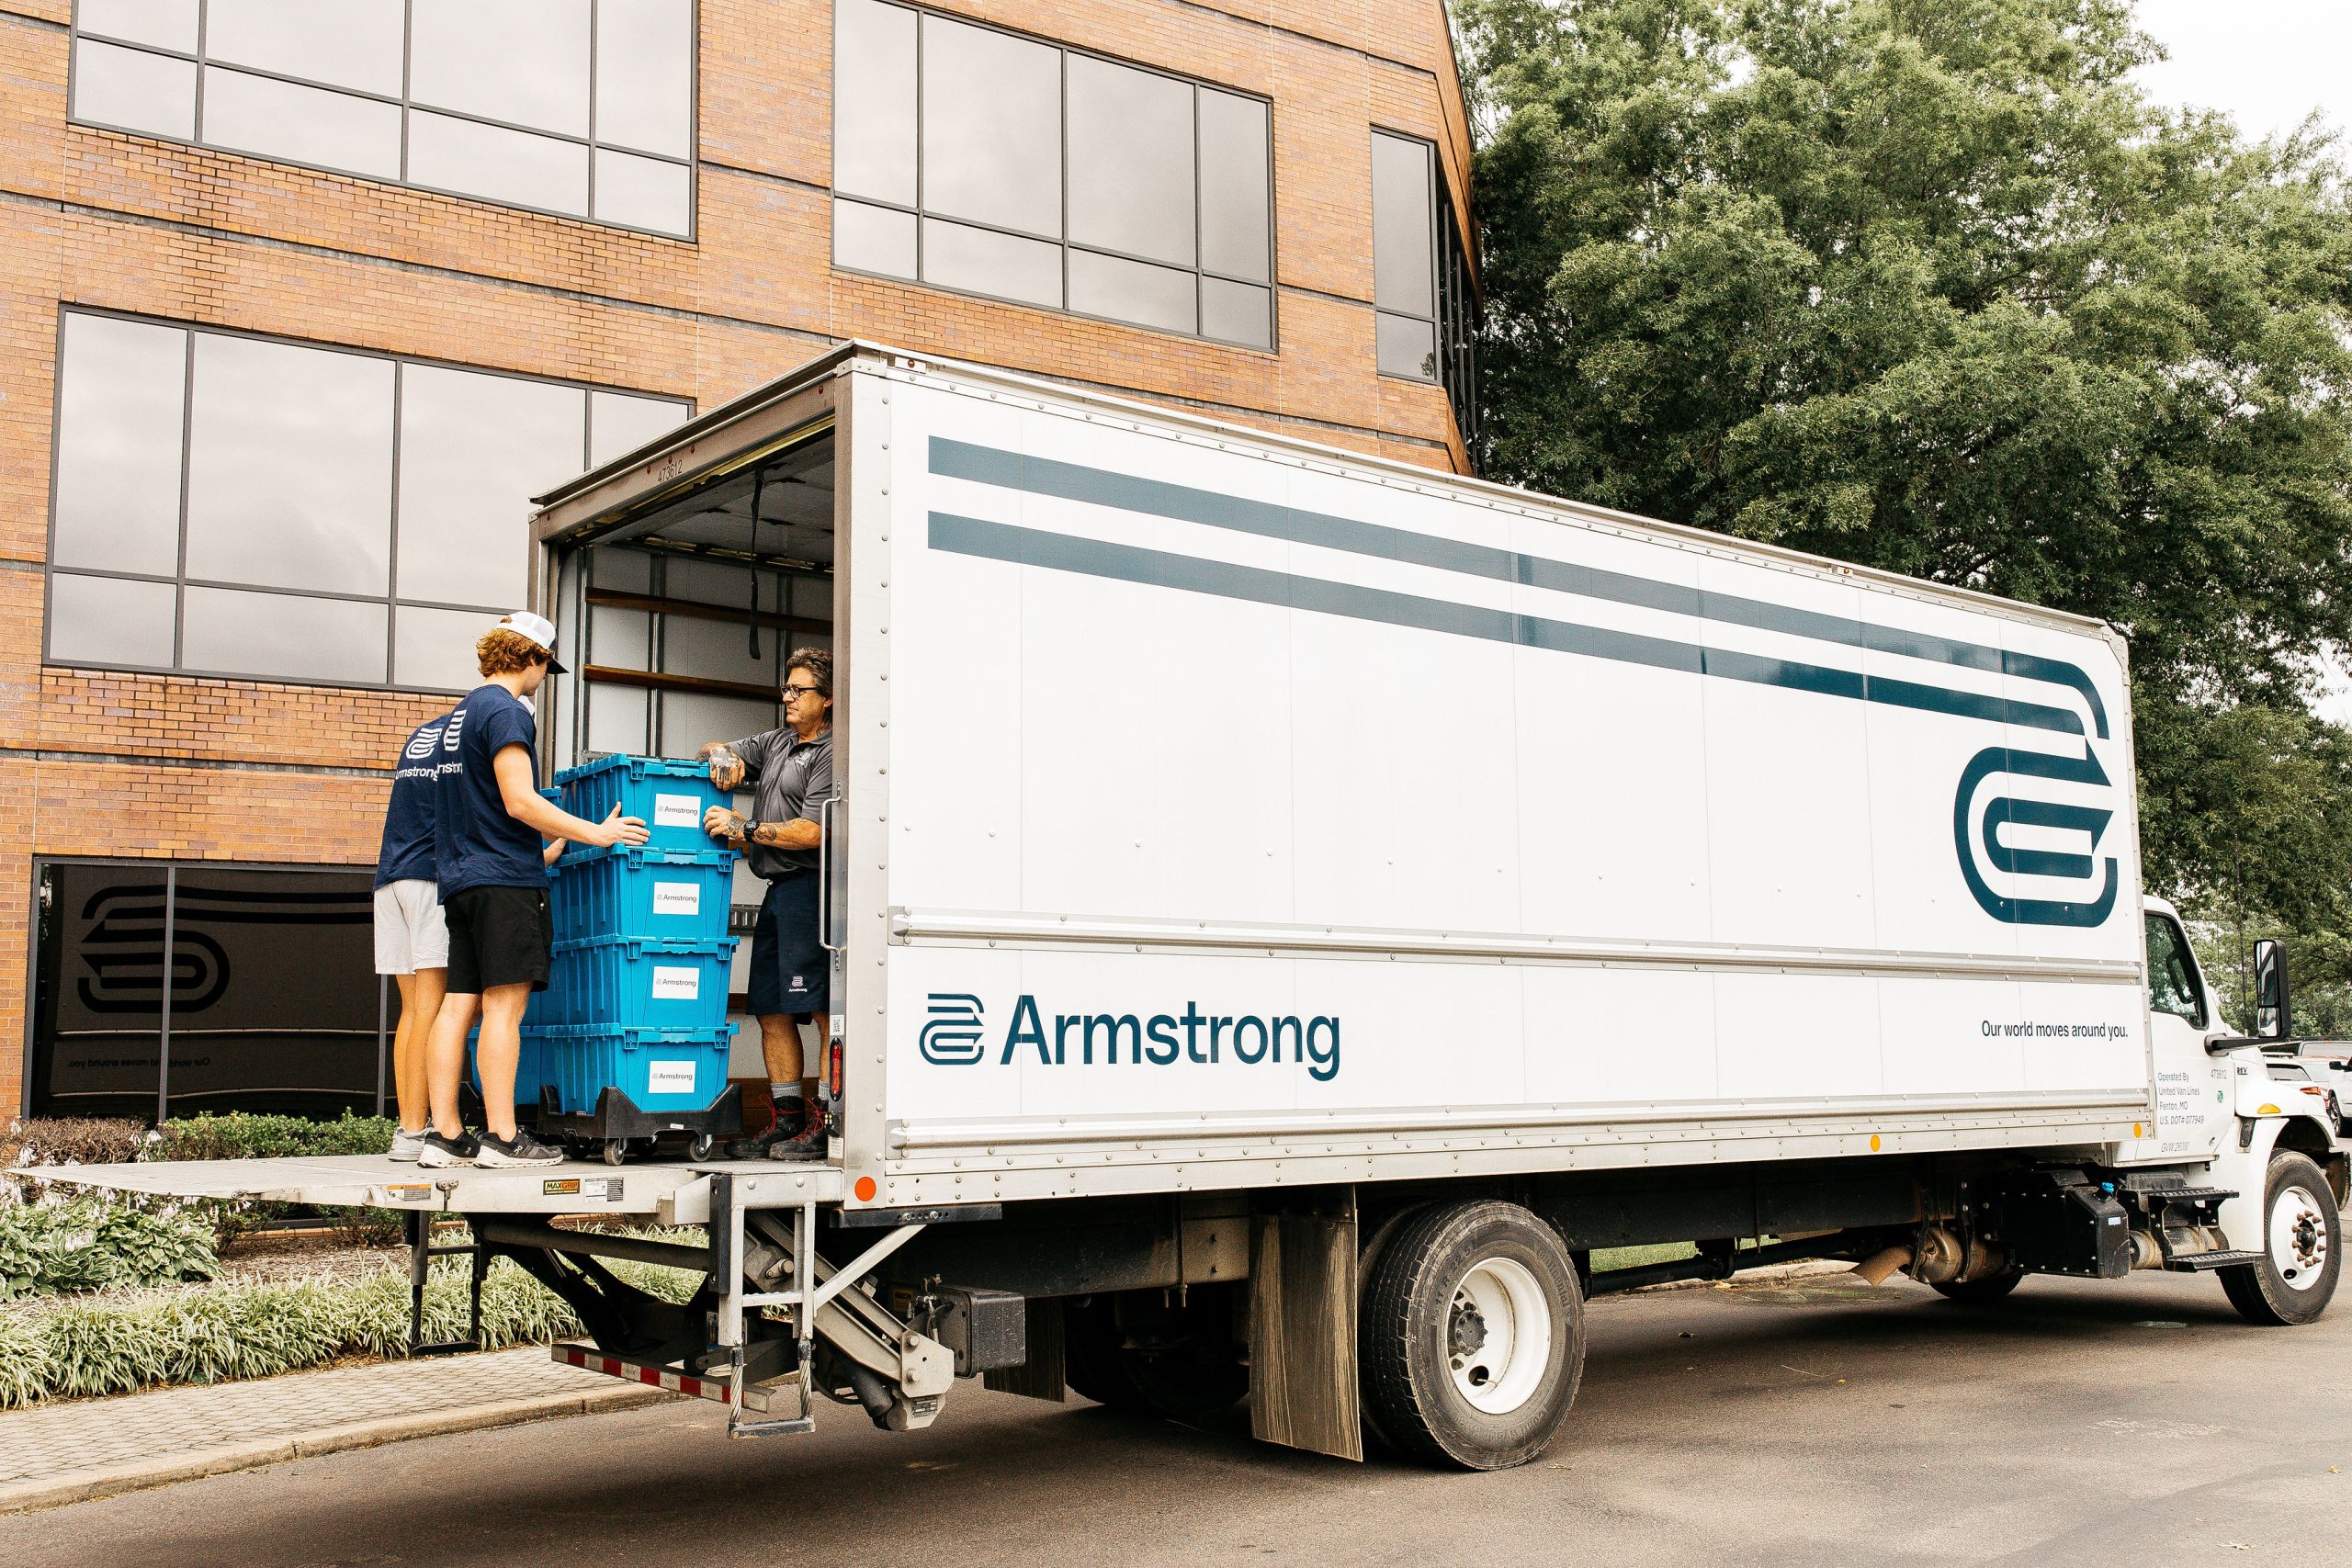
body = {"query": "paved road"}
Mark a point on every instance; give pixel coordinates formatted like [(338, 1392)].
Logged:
[(2137, 1422)]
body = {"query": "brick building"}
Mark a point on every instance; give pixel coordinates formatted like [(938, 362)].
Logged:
[(302, 302)]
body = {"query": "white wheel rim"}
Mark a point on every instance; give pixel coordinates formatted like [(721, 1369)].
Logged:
[(2297, 1238), (1499, 1336)]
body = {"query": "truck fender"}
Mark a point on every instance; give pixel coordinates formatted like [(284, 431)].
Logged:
[(2242, 1164)]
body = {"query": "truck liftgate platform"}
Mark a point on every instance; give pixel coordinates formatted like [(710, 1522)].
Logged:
[(771, 1320)]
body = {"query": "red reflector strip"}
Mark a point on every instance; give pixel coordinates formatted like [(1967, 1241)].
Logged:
[(652, 1377)]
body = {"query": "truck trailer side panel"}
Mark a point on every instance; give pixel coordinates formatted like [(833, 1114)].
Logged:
[(1239, 814)]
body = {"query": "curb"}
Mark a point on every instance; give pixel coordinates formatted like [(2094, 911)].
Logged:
[(109, 1480)]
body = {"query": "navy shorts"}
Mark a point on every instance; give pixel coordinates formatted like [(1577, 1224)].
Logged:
[(788, 962)]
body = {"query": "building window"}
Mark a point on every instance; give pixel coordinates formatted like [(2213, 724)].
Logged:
[(241, 506), (583, 107), (1426, 318), (979, 160), (262, 981)]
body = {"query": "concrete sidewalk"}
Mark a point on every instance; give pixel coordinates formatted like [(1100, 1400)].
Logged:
[(80, 1449)]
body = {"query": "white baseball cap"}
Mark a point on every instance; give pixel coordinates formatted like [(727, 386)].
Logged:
[(537, 629)]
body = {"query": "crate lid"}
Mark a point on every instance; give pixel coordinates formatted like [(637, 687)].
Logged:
[(718, 857), (665, 946), (638, 767), (712, 1035)]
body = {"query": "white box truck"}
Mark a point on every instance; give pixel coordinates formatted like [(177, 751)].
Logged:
[(1290, 909)]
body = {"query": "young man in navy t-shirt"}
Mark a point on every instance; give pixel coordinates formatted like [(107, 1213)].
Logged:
[(489, 819), (411, 940)]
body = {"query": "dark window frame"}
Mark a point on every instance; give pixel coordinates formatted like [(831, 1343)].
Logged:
[(392, 600), (2180, 934), (920, 213), (170, 870), (408, 105)]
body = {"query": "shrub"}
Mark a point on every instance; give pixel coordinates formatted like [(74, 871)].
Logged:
[(60, 1140), (239, 1134), (94, 1242)]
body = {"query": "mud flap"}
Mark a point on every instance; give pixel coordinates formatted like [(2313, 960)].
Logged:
[(1303, 1386)]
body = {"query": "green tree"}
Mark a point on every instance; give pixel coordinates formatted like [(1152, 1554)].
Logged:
[(1928, 284)]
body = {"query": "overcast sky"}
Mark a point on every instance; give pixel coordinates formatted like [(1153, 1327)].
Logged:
[(2266, 63)]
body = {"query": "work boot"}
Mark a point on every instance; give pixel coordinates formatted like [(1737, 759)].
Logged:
[(782, 1141)]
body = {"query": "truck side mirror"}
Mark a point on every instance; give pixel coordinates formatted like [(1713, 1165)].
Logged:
[(2273, 1004)]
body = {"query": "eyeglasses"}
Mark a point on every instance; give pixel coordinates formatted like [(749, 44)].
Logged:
[(792, 691)]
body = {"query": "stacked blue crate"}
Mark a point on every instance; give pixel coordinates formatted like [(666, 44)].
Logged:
[(636, 1004)]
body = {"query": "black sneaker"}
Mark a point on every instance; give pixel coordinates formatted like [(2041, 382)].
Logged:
[(438, 1151), (808, 1143), (520, 1149)]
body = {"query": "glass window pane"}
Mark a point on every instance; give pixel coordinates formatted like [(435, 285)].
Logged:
[(991, 128), (289, 467), (505, 166), (135, 90), (874, 100), (334, 640), (643, 193), (435, 648), (985, 263), (645, 74), (474, 449), (1404, 225), (1131, 291), (274, 994), (121, 390), (1407, 347), (306, 125), (1130, 162), (166, 24), (352, 43), (1237, 312), (109, 620), (873, 239), (619, 423), (523, 61), (1235, 213)]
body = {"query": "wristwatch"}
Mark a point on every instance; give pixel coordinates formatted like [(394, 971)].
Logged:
[(751, 826)]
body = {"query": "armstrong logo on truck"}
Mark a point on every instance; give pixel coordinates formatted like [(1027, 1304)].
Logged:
[(953, 1037)]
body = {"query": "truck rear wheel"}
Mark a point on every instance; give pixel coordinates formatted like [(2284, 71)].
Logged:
[(2301, 1247), (1472, 1336)]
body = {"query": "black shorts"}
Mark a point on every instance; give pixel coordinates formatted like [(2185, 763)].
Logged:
[(788, 962), (498, 936)]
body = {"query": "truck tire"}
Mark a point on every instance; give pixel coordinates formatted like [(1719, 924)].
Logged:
[(1187, 1369), (1979, 1293), (2301, 1248), (1471, 1340)]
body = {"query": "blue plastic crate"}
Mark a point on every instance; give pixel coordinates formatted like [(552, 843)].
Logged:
[(637, 982), (678, 895), (670, 795), (660, 1070)]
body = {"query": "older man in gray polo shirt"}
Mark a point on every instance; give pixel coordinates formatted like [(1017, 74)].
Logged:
[(789, 770)]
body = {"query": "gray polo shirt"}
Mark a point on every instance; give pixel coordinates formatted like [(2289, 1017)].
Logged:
[(787, 776)]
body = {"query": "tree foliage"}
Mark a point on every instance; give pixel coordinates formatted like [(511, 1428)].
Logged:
[(1929, 284)]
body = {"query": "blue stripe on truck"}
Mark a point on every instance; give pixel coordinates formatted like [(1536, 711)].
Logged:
[(1183, 504), (1224, 580)]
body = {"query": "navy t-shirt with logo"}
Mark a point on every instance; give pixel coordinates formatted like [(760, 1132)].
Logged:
[(408, 849), (478, 845)]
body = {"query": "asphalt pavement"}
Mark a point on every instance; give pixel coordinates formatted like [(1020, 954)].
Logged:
[(1803, 1422)]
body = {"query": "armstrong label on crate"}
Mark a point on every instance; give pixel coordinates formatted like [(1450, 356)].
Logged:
[(676, 811), (676, 983), (677, 897), (670, 1077)]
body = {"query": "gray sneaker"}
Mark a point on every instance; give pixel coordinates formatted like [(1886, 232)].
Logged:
[(440, 1151), (407, 1145), (520, 1149)]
